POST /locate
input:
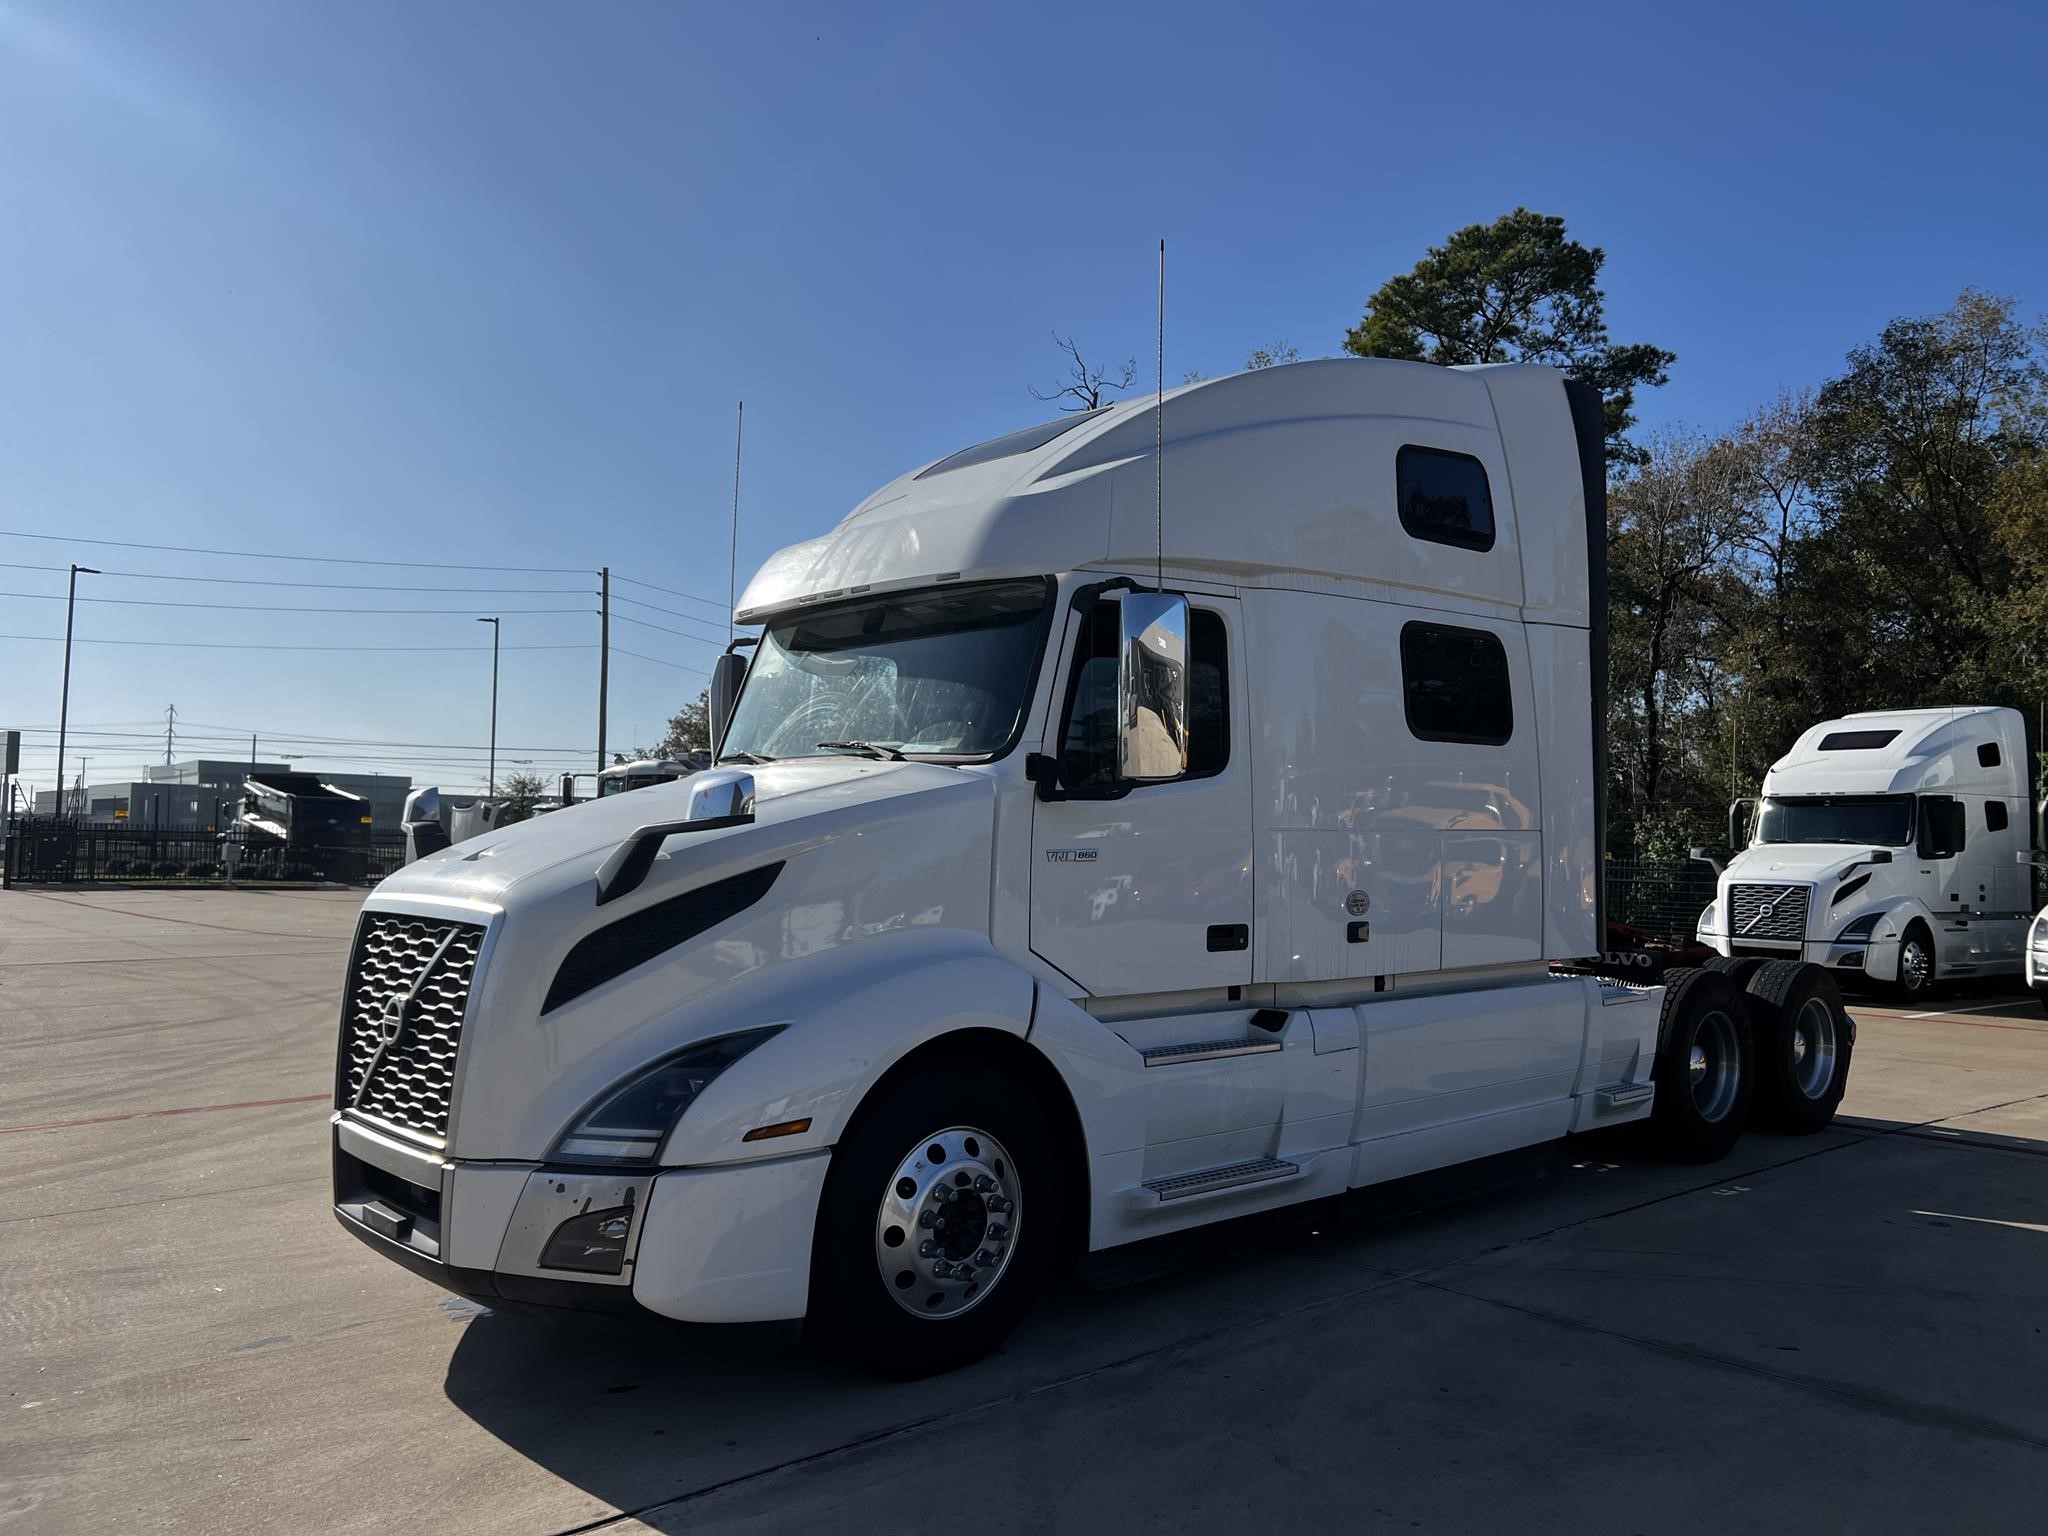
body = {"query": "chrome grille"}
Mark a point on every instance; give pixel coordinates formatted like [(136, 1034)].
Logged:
[(1767, 912), (401, 1021)]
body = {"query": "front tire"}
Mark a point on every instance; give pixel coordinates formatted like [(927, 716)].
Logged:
[(1916, 977), (937, 1223), (1704, 1069)]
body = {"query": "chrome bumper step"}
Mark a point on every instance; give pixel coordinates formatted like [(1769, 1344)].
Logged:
[(1204, 1050), (1209, 1181)]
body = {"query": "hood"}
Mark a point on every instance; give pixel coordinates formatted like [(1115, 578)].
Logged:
[(858, 851), (566, 847), (1797, 861)]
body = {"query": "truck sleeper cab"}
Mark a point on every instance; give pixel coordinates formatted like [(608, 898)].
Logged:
[(1889, 846), (1054, 890)]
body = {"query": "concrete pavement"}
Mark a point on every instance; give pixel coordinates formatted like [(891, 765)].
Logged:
[(1840, 1332)]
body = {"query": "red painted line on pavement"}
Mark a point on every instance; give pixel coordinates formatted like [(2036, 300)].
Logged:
[(146, 1114)]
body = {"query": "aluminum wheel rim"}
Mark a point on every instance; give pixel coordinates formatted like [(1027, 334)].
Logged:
[(1813, 1047), (1715, 1066), (1915, 964), (948, 1222)]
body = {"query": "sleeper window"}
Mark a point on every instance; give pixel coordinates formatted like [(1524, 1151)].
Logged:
[(1454, 684), (1444, 497), (1995, 816), (1088, 750)]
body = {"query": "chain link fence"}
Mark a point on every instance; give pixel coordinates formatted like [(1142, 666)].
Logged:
[(1660, 899), (53, 850)]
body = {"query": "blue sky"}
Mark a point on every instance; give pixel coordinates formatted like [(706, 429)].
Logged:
[(480, 283)]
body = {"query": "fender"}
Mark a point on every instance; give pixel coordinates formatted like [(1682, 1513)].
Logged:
[(1881, 950), (848, 1016)]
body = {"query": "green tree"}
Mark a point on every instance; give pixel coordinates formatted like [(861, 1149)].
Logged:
[(519, 793), (689, 729), (1515, 290)]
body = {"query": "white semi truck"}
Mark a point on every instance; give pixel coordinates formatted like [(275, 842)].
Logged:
[(1891, 846), (1083, 862)]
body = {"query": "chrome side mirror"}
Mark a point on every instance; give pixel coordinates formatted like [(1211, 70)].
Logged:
[(727, 672), (721, 795), (1152, 687)]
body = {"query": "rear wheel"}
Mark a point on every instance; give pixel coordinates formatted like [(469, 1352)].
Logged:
[(1737, 968), (1703, 1070), (923, 1260), (1804, 1038), (1916, 965)]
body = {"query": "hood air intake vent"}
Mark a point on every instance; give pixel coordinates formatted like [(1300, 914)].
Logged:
[(635, 939)]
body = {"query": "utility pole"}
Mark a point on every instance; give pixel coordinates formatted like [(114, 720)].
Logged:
[(604, 660), (493, 789), (170, 724), (732, 570), (64, 706)]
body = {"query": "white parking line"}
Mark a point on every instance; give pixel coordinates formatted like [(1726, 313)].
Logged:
[(1977, 1008)]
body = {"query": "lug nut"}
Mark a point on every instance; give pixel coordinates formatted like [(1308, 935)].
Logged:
[(927, 1248), (984, 1257), (998, 1233), (942, 1270), (963, 1272), (999, 1205), (984, 1184), (926, 1218), (942, 1193)]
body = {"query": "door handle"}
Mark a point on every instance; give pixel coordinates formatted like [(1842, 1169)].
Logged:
[(1228, 936)]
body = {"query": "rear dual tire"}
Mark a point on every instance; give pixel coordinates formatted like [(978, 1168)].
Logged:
[(1804, 1039), (1704, 1070)]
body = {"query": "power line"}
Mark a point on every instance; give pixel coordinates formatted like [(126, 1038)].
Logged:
[(246, 554), (151, 602), (627, 618), (208, 645), (675, 613), (694, 671), (688, 597), (327, 586)]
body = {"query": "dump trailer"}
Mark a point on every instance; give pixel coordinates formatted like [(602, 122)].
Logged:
[(296, 823), (1077, 867)]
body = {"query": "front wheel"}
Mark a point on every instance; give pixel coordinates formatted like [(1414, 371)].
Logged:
[(1916, 966), (936, 1225)]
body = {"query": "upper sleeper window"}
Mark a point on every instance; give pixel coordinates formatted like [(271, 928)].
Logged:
[(1987, 754), (1012, 443), (1455, 685), (1857, 741), (1444, 497)]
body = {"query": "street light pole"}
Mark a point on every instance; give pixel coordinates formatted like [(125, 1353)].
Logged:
[(493, 790), (64, 706)]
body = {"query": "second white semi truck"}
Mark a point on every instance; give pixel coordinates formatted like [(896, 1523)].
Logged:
[(1891, 847), (1084, 861)]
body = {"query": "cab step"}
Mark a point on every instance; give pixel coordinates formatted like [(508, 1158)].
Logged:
[(1204, 1050), (1621, 1095), (1209, 1181)]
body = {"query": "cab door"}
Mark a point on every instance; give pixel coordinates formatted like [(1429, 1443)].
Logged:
[(1147, 887)]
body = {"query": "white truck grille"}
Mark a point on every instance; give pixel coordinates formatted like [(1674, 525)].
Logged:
[(1767, 912), (401, 1019)]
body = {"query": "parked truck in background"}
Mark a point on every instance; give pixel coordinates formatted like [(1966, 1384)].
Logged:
[(1890, 847), (1062, 883)]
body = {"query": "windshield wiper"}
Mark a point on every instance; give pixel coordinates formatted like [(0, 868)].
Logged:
[(743, 757), (866, 749)]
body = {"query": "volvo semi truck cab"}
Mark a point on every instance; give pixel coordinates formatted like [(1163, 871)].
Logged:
[(1890, 846), (1162, 814)]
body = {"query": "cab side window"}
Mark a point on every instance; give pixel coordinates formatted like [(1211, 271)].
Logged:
[(1088, 748), (1995, 816)]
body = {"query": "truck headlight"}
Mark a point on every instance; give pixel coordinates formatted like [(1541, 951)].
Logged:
[(626, 1124), (1862, 928)]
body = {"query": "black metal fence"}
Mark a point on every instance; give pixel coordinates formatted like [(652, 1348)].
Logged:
[(1661, 899), (54, 850)]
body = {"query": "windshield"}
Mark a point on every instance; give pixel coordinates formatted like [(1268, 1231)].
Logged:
[(1882, 821), (937, 672)]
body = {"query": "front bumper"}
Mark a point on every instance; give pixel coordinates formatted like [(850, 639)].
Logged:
[(729, 1244), (1875, 958)]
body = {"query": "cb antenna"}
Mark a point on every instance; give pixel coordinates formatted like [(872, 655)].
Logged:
[(1159, 436), (732, 569)]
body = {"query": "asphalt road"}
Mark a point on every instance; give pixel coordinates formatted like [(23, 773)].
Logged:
[(1837, 1333)]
